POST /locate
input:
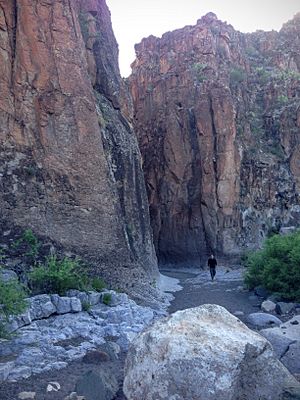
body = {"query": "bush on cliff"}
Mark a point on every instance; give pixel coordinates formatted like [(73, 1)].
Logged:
[(276, 266), (58, 276), (12, 302)]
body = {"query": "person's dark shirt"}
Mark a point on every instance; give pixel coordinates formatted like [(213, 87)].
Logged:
[(212, 262)]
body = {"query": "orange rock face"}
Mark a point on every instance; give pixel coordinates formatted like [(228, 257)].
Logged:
[(70, 166), (216, 119)]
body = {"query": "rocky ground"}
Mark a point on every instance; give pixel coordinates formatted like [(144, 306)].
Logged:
[(101, 369)]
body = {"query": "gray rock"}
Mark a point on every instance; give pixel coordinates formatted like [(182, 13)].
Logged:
[(93, 298), (62, 304), (47, 344), (284, 308), (280, 343), (288, 329), (5, 369), (239, 313), (261, 292), (263, 320), (41, 306), (102, 385), (291, 392), (75, 305), (73, 293), (83, 297), (274, 297), (26, 395), (268, 306), (291, 359), (55, 366), (194, 354), (112, 349), (7, 275), (74, 396), (118, 298), (18, 373), (24, 319)]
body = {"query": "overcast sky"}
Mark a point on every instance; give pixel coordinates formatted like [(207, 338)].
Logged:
[(134, 19)]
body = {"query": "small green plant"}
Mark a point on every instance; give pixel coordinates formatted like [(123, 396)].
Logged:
[(106, 299), (30, 240), (153, 283), (12, 302), (282, 99), (252, 52), (276, 266), (277, 151), (58, 276), (98, 284), (30, 170), (199, 70), (2, 255), (86, 306), (84, 26), (237, 76), (263, 75)]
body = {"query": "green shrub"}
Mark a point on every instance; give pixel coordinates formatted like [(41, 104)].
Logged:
[(29, 239), (199, 71), (58, 276), (86, 306), (237, 76), (98, 284), (106, 299), (282, 99), (276, 266), (12, 302)]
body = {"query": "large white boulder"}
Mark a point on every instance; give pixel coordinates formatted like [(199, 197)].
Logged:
[(204, 353)]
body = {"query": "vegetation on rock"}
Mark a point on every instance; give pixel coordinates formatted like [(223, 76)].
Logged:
[(106, 299), (12, 302), (58, 276), (276, 266)]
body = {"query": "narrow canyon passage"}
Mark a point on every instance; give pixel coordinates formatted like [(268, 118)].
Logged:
[(227, 291)]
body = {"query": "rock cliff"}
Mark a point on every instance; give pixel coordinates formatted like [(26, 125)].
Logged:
[(70, 167), (218, 120)]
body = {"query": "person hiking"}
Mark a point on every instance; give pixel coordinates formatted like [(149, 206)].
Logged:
[(212, 263)]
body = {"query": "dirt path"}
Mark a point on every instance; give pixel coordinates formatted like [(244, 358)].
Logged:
[(226, 290)]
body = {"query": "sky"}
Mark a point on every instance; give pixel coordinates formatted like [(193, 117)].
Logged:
[(133, 20)]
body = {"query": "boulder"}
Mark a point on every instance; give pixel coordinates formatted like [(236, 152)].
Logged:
[(284, 308), (203, 353), (291, 359), (76, 305), (62, 304), (289, 329), (261, 292), (280, 343), (263, 320), (268, 306), (7, 275), (93, 298), (41, 306)]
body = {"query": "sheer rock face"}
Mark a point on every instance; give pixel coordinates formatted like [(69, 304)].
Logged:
[(70, 166), (218, 121)]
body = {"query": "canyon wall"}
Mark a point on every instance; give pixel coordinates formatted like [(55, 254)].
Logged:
[(70, 167), (217, 114)]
